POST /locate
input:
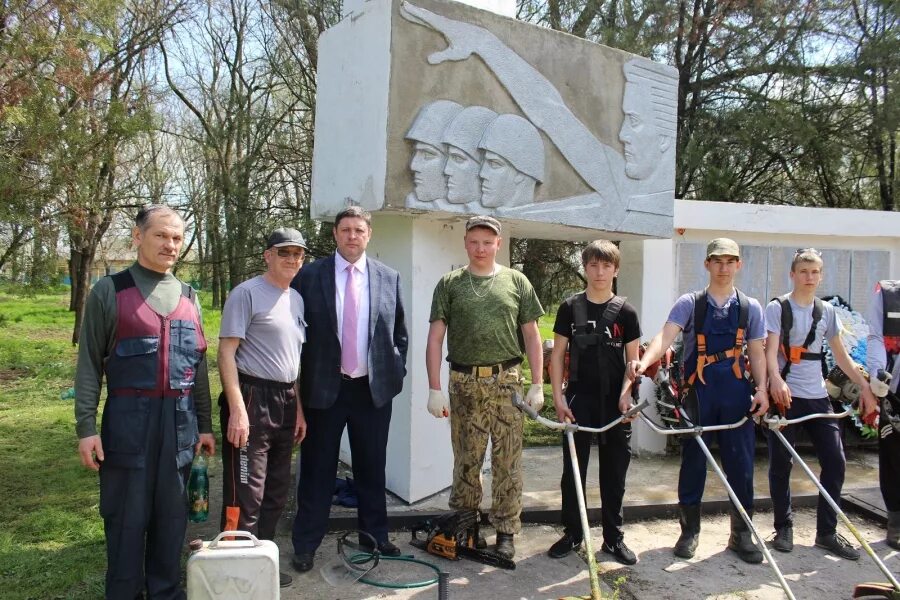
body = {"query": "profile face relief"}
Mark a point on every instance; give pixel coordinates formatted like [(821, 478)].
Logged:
[(427, 166), (463, 183)]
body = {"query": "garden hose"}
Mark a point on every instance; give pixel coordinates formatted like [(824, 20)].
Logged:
[(363, 557)]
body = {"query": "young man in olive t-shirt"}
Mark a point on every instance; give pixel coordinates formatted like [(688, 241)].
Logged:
[(598, 348), (489, 315)]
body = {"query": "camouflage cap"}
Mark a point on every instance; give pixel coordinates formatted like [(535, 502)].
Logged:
[(483, 221), (722, 247)]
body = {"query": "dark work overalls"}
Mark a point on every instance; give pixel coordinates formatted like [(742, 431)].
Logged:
[(148, 431), (723, 399), (888, 436)]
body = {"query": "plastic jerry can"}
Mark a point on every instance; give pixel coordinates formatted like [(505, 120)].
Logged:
[(243, 568)]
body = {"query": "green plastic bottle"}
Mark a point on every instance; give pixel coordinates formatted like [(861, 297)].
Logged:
[(198, 490)]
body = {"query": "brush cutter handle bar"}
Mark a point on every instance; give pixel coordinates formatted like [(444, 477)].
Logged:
[(776, 422), (692, 430), (524, 407)]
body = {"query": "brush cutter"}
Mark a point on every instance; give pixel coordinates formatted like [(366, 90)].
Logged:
[(697, 432), (869, 590), (569, 428)]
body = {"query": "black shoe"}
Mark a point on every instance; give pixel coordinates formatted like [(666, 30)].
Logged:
[(563, 546), (505, 546), (837, 544), (388, 549), (893, 529), (384, 548), (784, 539), (302, 561), (622, 552), (284, 580)]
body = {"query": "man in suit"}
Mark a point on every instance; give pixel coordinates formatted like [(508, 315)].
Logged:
[(357, 338)]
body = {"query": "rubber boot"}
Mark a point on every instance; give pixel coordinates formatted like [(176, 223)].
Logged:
[(689, 519), (893, 529), (741, 540)]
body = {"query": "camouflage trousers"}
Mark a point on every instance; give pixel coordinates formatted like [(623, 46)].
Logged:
[(482, 409)]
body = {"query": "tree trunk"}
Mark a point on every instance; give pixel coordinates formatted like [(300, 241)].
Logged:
[(80, 265)]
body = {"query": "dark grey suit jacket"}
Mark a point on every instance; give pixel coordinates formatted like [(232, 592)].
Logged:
[(320, 365)]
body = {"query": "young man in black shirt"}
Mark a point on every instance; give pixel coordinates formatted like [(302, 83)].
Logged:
[(601, 333)]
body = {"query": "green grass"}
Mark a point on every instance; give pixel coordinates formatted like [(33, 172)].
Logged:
[(51, 542)]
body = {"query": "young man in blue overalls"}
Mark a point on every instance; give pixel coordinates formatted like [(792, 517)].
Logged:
[(716, 323)]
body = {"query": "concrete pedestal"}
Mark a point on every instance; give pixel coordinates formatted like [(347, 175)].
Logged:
[(647, 277)]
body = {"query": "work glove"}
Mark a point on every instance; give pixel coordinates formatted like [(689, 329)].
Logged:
[(880, 387), (438, 404), (535, 397)]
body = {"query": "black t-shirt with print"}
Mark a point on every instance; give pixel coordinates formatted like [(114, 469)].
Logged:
[(626, 327)]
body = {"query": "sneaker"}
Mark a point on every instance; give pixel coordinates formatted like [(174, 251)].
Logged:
[(622, 552), (563, 546), (505, 546), (837, 544), (784, 539)]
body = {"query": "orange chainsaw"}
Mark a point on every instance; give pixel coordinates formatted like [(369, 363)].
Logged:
[(454, 536)]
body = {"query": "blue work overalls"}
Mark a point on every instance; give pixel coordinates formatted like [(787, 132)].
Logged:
[(721, 400)]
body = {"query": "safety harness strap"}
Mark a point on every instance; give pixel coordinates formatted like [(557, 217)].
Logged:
[(703, 359), (794, 354), (607, 319)]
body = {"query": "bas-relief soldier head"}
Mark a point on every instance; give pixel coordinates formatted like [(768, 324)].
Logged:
[(649, 127), (463, 155), (513, 162), (429, 152)]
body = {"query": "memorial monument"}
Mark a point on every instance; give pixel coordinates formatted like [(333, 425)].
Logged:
[(431, 110)]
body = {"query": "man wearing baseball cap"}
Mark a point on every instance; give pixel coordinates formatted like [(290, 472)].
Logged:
[(716, 323), (260, 340), (489, 315)]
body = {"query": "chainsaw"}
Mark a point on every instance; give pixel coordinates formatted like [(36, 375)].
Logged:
[(455, 536)]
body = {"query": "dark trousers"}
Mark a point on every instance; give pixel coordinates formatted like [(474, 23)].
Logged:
[(256, 479), (367, 428), (144, 512), (889, 458), (826, 438), (723, 400), (614, 458)]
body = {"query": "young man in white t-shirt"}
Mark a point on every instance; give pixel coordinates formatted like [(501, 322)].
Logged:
[(797, 388)]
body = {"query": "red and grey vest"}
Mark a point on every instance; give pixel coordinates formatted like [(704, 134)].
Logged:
[(890, 298), (155, 356)]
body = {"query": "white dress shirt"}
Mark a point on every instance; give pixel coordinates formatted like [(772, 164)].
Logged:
[(361, 279)]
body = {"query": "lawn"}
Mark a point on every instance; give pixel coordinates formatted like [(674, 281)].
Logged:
[(51, 541)]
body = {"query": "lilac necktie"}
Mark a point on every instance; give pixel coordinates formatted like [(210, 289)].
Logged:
[(349, 358)]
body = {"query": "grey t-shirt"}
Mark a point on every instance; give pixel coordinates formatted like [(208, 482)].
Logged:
[(269, 322), (682, 314), (805, 378)]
